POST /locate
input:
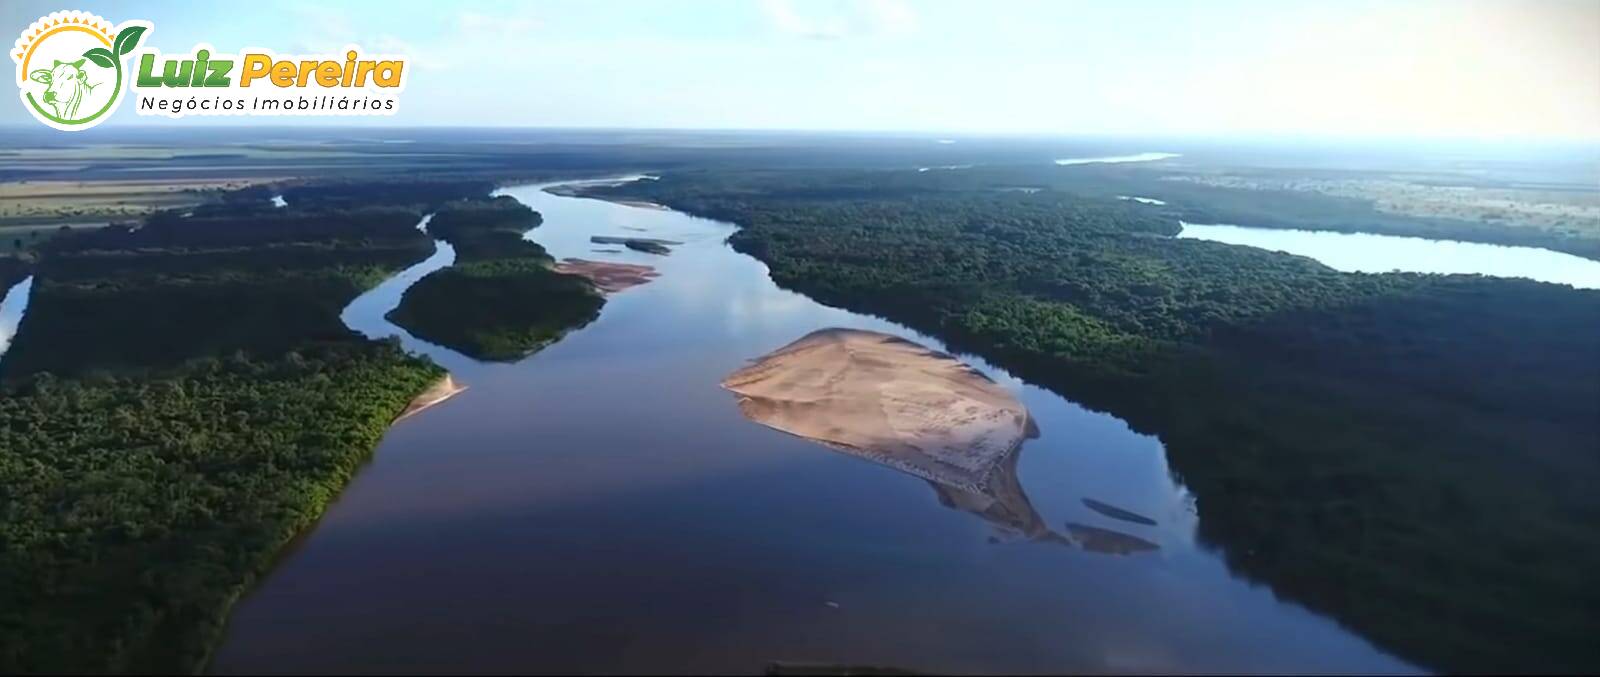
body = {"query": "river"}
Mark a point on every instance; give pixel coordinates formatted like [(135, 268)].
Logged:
[(603, 506), (1373, 253), (12, 306)]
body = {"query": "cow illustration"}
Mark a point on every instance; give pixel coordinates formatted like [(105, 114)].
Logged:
[(67, 87)]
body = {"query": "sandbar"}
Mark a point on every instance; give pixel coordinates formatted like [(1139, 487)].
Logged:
[(607, 276), (443, 389), (886, 399)]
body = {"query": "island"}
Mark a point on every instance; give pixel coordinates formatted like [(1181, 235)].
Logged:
[(503, 299), (886, 398), (607, 276), (890, 401)]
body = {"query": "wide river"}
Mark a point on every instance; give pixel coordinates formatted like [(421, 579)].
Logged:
[(603, 506)]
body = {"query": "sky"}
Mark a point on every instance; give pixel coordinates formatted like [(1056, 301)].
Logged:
[(1490, 69)]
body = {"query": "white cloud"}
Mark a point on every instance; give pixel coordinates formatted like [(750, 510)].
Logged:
[(832, 21), (892, 16), (497, 25)]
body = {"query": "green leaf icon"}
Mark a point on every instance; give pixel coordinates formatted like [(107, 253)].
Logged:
[(101, 57), (128, 39)]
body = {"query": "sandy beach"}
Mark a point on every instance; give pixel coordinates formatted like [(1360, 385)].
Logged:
[(443, 389)]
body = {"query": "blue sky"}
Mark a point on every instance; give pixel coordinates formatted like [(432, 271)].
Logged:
[(1476, 68)]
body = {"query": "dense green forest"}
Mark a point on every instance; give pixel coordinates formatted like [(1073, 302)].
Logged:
[(1413, 455), (254, 277), (181, 400), (137, 509), (500, 300)]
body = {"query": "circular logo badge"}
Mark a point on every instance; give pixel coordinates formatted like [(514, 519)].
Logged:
[(70, 67)]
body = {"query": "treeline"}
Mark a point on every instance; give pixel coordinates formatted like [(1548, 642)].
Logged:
[(1410, 454), (500, 300)]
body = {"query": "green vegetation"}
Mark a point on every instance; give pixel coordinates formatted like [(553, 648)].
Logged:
[(1413, 455), (181, 400), (137, 509), (500, 300)]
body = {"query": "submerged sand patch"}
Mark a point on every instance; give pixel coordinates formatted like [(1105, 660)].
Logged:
[(1108, 541), (887, 399), (607, 276)]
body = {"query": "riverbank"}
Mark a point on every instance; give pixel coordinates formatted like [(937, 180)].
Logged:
[(441, 390)]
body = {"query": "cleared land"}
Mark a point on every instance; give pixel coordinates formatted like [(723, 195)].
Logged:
[(35, 203)]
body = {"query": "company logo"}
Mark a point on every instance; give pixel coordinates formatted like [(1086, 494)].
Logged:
[(73, 69), (70, 67)]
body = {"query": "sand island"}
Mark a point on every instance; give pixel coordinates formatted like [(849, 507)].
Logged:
[(919, 411), (886, 398), (607, 276)]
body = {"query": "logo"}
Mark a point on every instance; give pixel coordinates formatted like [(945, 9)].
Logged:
[(70, 67), (73, 69)]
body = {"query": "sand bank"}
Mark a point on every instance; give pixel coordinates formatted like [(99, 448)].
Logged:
[(887, 399), (1107, 541), (582, 189), (443, 389), (606, 276)]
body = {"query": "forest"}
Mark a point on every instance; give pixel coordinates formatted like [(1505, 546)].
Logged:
[(180, 402), (1410, 454), (500, 300)]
